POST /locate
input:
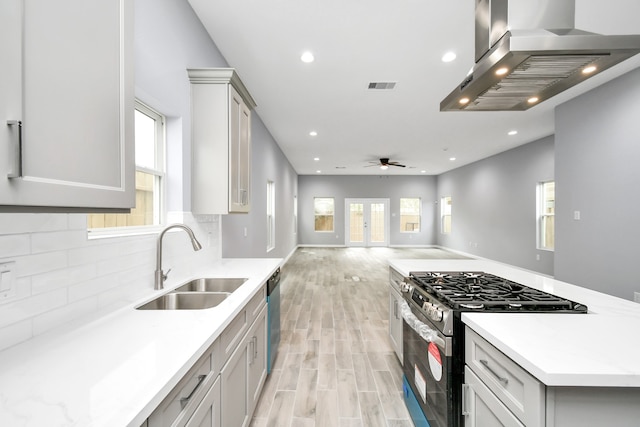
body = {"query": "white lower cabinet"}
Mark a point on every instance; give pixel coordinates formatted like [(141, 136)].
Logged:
[(482, 407), (244, 374), (208, 412), (395, 317), (223, 387), (499, 392)]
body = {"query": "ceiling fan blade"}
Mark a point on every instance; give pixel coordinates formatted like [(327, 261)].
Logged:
[(397, 164)]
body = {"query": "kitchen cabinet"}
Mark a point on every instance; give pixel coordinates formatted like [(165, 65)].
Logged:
[(395, 317), (66, 105), (244, 374), (221, 141), (195, 400), (499, 392)]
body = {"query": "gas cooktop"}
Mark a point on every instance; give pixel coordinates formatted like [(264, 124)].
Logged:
[(477, 290)]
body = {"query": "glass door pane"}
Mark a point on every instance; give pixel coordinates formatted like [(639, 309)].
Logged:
[(356, 223), (377, 223)]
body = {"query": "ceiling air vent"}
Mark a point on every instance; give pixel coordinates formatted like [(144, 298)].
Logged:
[(382, 85)]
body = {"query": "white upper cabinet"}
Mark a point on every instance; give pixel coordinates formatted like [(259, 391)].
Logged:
[(221, 141), (66, 105)]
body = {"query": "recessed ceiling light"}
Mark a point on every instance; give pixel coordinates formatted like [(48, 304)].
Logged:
[(423, 171), (448, 57), (318, 171), (512, 132), (307, 57), (464, 101), (533, 100), (588, 70), (502, 71), (317, 159), (313, 133), (452, 158)]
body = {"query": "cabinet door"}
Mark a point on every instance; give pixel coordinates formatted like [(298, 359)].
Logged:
[(482, 407), (208, 413), (395, 322), (239, 151), (66, 100), (234, 388), (257, 344)]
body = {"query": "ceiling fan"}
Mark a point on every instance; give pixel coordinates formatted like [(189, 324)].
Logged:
[(384, 164)]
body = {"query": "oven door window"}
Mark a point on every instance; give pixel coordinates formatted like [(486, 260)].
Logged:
[(428, 372)]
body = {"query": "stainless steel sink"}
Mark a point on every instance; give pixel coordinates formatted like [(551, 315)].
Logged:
[(185, 301), (212, 284)]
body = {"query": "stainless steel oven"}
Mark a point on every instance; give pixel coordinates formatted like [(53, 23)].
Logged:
[(433, 334), (430, 368)]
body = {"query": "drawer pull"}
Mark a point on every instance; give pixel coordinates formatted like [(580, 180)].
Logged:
[(465, 390), (185, 400), (503, 380)]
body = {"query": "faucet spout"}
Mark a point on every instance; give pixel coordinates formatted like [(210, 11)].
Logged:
[(160, 276)]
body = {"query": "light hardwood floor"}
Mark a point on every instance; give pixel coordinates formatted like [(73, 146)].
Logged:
[(335, 365)]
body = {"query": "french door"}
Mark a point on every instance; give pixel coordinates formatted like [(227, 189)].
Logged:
[(367, 222)]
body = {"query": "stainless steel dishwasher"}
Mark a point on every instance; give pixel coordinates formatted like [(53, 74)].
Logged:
[(273, 318)]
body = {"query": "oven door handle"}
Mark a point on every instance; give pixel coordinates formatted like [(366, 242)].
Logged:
[(428, 334)]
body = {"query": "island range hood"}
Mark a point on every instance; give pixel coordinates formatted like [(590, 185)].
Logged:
[(528, 51)]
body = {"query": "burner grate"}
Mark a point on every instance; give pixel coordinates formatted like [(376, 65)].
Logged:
[(476, 290)]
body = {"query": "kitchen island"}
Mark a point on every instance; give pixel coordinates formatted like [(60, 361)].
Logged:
[(114, 370), (587, 363)]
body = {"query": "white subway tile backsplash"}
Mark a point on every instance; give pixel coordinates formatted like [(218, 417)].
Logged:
[(58, 240), (61, 276), (14, 245), (29, 307)]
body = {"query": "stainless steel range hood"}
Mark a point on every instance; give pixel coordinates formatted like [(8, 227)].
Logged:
[(528, 51)]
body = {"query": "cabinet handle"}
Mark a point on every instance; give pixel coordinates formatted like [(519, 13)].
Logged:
[(16, 148), (395, 308), (185, 400), (465, 389), (255, 348), (503, 380)]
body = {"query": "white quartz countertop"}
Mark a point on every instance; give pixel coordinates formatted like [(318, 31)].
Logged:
[(115, 369), (597, 349)]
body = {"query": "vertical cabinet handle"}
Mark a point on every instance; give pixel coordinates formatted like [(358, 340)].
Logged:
[(465, 390), (395, 308), (15, 170)]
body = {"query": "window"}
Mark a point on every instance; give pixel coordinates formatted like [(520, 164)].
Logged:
[(149, 142), (409, 214), (324, 209), (445, 215), (271, 216), (546, 214)]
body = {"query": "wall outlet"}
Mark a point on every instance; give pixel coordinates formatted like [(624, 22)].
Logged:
[(537, 257), (636, 296)]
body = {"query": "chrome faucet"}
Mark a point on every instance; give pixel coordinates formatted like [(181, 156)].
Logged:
[(160, 275)]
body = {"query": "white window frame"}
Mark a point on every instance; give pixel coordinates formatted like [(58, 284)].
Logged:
[(543, 216), (271, 216), (419, 214), (333, 214), (159, 171), (446, 210)]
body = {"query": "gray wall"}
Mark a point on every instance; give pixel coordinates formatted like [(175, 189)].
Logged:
[(494, 206), (268, 163), (343, 187), (598, 174), (169, 38)]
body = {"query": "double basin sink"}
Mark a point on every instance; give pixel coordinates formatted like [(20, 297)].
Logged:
[(196, 294)]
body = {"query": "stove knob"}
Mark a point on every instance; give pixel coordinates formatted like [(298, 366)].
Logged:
[(436, 314), (406, 287)]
